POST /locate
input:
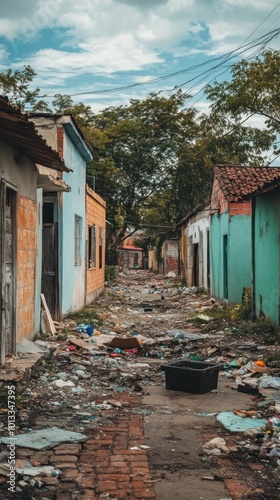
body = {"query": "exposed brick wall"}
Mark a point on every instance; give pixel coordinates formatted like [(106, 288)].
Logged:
[(218, 200), (95, 215), (60, 139), (26, 263), (242, 208)]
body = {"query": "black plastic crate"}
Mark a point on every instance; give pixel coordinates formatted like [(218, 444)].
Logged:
[(191, 376)]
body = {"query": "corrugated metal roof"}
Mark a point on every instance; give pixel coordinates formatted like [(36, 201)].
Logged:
[(17, 130), (239, 183)]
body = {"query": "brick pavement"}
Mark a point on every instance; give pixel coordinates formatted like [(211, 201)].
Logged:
[(110, 464), (240, 478)]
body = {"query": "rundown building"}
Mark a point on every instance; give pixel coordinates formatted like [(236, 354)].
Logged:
[(64, 267), (21, 150), (195, 246)]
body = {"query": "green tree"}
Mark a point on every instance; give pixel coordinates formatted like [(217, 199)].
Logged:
[(137, 148), (16, 86), (253, 89)]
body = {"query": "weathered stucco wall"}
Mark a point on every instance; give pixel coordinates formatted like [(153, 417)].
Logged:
[(237, 229), (197, 232), (170, 255), (18, 170), (72, 277), (266, 251)]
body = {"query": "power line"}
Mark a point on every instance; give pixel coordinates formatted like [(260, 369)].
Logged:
[(263, 40)]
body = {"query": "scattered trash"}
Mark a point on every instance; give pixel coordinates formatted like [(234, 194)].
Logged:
[(61, 384), (204, 317), (235, 423), (216, 446), (28, 347), (270, 382), (46, 438), (85, 328)]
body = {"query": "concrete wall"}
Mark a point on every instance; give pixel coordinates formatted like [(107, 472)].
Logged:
[(128, 258), (95, 216), (71, 276), (196, 233), (170, 255), (232, 221), (266, 254), (152, 263), (238, 232)]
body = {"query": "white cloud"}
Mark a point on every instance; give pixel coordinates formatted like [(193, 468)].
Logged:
[(106, 37)]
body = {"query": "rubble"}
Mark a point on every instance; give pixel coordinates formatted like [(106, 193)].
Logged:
[(79, 384)]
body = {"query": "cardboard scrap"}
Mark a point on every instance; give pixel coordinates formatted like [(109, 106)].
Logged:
[(124, 343), (83, 344)]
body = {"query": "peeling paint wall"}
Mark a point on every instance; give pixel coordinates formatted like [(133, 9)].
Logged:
[(266, 254), (170, 255), (72, 276), (197, 232), (237, 229)]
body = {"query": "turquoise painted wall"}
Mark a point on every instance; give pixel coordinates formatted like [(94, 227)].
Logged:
[(266, 250), (238, 231), (218, 228), (72, 277)]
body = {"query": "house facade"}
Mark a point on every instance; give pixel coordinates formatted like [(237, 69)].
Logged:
[(195, 246), (230, 243), (131, 257), (21, 149), (63, 279), (265, 245)]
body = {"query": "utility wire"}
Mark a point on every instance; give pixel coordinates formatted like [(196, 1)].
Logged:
[(263, 40)]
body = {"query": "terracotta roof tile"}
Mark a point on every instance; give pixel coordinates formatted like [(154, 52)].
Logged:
[(238, 182)]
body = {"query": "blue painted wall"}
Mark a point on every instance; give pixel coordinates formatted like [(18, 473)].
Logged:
[(266, 254), (237, 228), (71, 276)]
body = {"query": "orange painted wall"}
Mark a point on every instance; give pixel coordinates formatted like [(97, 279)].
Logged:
[(96, 215), (26, 264)]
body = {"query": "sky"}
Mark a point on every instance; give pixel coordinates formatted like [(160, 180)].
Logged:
[(106, 52)]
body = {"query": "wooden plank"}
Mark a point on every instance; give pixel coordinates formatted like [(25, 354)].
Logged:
[(50, 323)]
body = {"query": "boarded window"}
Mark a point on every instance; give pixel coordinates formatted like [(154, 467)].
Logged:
[(78, 238), (91, 247), (100, 247)]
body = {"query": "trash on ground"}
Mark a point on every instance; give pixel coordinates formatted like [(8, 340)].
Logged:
[(45, 438)]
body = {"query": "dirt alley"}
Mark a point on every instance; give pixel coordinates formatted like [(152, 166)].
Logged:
[(143, 441)]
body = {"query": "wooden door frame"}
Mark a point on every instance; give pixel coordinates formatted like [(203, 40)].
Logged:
[(3, 191)]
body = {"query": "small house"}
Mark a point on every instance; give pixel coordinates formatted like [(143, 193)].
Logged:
[(195, 246), (22, 149), (64, 268)]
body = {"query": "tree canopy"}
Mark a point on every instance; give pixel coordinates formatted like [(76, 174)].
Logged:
[(253, 89)]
